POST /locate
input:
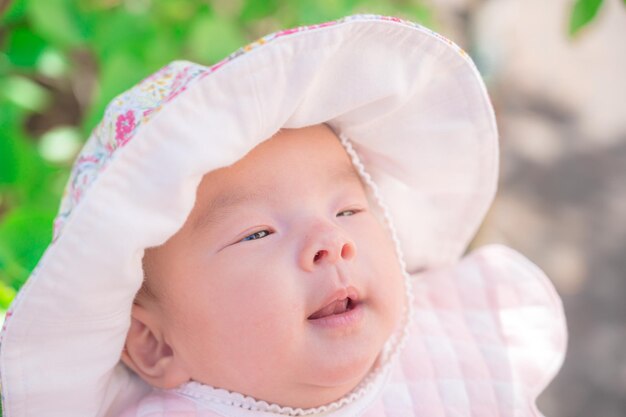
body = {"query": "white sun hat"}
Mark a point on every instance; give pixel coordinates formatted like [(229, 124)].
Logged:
[(411, 102)]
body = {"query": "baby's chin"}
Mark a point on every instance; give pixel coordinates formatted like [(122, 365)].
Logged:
[(338, 367), (336, 378)]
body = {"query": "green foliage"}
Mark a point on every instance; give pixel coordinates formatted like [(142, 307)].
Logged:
[(57, 21), (24, 235), (23, 92), (583, 12), (24, 48), (15, 12), (209, 26)]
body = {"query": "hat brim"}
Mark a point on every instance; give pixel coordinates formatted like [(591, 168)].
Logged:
[(412, 103)]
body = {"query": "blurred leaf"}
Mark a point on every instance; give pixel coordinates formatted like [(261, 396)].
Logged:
[(7, 294), (5, 66), (58, 21), (255, 9), (138, 7), (229, 9), (24, 92), (9, 153), (211, 39), (42, 185), (317, 11), (582, 14), (8, 161), (160, 50), (24, 47), (119, 30), (60, 145), (177, 10), (24, 235), (52, 63), (25, 179), (14, 13)]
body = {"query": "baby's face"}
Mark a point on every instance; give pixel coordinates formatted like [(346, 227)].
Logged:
[(282, 284)]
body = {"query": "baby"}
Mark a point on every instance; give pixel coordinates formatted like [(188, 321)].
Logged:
[(284, 233), (282, 284)]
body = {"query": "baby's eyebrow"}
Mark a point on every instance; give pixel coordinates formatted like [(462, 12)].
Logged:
[(220, 205)]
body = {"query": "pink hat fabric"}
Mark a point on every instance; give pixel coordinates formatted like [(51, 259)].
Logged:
[(412, 103)]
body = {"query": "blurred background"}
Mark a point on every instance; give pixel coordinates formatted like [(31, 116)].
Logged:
[(555, 71)]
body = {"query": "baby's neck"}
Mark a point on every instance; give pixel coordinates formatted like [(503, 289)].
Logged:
[(315, 398)]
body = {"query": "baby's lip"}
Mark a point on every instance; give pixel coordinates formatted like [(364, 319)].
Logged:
[(340, 300)]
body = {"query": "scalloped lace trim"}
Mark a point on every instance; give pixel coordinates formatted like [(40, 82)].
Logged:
[(208, 393)]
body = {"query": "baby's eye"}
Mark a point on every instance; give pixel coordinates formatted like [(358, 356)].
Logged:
[(347, 213), (256, 235)]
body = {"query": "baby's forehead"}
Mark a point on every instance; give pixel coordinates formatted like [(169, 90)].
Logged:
[(243, 192), (292, 165)]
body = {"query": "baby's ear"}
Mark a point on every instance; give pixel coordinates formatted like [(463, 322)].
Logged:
[(148, 354)]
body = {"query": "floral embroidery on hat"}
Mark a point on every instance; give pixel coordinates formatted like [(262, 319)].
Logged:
[(122, 119), (124, 125)]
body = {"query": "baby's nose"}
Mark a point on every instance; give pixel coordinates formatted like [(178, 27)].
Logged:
[(326, 244)]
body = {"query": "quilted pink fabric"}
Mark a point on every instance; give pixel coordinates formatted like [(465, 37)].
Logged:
[(488, 334)]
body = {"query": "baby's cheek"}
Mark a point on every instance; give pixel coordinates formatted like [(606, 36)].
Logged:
[(260, 309), (267, 331), (389, 282)]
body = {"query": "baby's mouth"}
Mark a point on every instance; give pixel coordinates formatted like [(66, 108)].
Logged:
[(334, 308)]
